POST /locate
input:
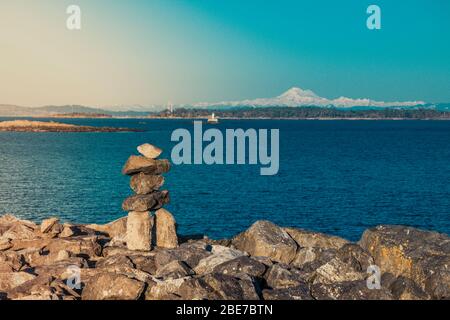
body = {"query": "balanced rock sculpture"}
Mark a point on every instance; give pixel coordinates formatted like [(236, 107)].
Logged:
[(146, 180)]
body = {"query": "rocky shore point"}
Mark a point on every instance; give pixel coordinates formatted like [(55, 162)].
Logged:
[(140, 256), (264, 262)]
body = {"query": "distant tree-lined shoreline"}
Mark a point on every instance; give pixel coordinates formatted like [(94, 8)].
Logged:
[(307, 113)]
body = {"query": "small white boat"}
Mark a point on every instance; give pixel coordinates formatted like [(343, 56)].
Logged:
[(213, 119)]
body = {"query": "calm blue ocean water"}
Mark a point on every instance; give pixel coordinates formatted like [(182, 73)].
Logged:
[(338, 177)]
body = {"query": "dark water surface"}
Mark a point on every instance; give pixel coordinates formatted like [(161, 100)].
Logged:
[(339, 177)]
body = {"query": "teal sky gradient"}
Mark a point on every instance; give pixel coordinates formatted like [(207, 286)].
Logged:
[(150, 52)]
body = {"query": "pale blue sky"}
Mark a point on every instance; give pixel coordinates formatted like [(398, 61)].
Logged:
[(150, 52)]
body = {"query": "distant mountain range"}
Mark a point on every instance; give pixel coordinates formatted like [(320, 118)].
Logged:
[(297, 97), (294, 97)]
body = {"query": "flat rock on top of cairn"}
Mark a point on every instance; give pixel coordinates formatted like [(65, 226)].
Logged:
[(136, 164), (149, 151)]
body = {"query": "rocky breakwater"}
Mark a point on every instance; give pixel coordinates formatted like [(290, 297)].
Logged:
[(264, 262), (144, 228)]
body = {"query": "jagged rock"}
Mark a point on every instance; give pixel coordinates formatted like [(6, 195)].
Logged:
[(293, 293), (240, 265), (212, 286), (144, 263), (60, 269), (309, 239), (139, 231), (114, 229), (149, 151), (115, 261), (351, 290), (146, 202), (336, 271), (264, 238), (67, 232), (196, 289), (43, 288), (174, 270), (45, 251), (48, 224), (109, 286), (136, 164), (264, 260), (120, 264), (232, 288), (219, 255), (190, 253), (142, 183), (10, 280), (164, 290), (422, 256), (8, 220), (279, 276), (165, 229), (20, 231), (355, 256), (306, 255), (406, 289), (11, 261), (39, 286)]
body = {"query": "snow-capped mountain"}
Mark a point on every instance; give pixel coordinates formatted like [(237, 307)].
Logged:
[(297, 97)]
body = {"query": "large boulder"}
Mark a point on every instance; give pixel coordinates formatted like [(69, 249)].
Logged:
[(110, 286), (165, 229), (142, 183), (406, 289), (146, 202), (48, 224), (139, 231), (220, 254), (20, 231), (164, 289), (190, 253), (264, 238), (279, 276), (240, 265), (11, 280), (11, 261), (136, 164), (300, 292), (336, 271), (349, 290), (309, 239), (232, 288), (421, 256), (174, 270)]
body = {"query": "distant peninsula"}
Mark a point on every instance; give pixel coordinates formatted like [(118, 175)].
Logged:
[(41, 126)]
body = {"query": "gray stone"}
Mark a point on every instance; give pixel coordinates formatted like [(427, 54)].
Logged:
[(266, 239), (147, 202), (421, 256), (136, 164), (139, 231), (142, 183)]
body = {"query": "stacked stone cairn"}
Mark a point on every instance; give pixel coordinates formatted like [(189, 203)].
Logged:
[(148, 224)]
